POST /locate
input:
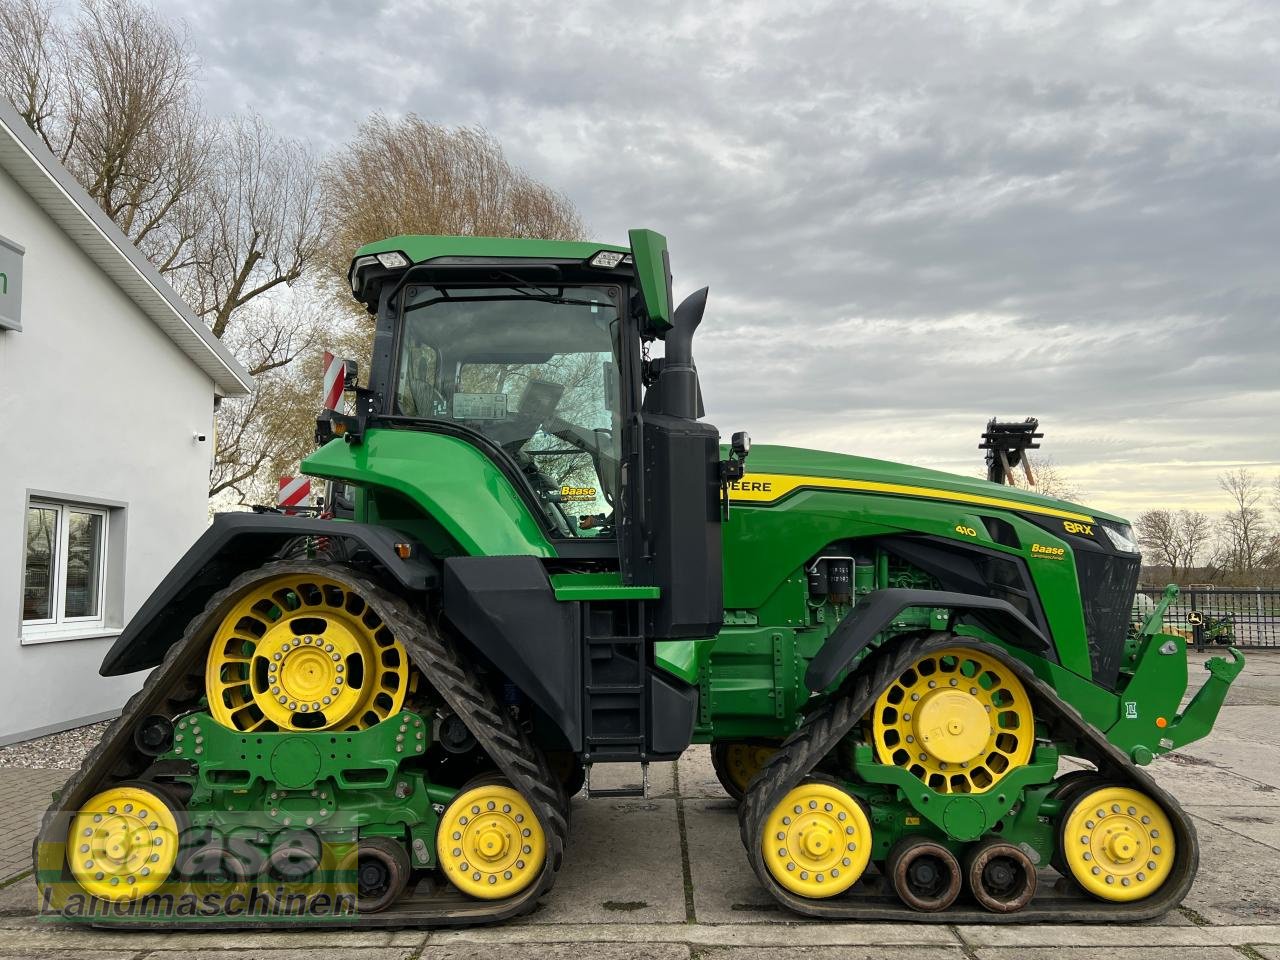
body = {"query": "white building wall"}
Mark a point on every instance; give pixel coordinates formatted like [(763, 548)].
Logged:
[(95, 403)]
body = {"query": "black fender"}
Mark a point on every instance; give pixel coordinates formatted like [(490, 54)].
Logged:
[(875, 611), (234, 543), (506, 608)]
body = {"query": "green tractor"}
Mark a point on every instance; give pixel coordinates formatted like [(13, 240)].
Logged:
[(544, 561)]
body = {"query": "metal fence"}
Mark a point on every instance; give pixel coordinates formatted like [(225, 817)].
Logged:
[(1238, 618)]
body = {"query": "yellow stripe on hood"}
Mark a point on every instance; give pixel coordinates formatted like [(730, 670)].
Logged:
[(770, 487)]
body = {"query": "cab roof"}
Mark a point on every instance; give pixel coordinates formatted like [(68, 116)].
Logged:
[(419, 248)]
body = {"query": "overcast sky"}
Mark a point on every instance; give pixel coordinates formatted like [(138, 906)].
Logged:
[(912, 216)]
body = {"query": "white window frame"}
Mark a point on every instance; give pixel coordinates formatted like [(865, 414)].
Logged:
[(60, 626)]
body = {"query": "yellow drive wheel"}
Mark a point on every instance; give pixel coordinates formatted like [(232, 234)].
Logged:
[(490, 842), (736, 763), (304, 652), (958, 719), (817, 841), (123, 843), (1118, 843)]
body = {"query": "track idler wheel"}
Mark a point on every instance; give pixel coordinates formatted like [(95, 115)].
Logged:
[(1117, 843), (123, 842), (490, 843), (1000, 876), (736, 762), (817, 841), (925, 875), (380, 866)]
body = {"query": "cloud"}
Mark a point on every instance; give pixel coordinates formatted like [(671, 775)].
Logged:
[(912, 215)]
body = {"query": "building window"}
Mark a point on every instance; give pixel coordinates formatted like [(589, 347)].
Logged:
[(64, 571)]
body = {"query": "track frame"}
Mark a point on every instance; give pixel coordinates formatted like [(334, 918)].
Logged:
[(826, 726), (175, 686)]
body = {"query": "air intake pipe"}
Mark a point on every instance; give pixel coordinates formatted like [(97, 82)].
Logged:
[(678, 381)]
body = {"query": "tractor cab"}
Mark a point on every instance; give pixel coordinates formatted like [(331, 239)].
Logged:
[(533, 371), (535, 353)]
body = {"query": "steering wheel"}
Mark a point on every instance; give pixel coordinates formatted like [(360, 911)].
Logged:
[(588, 441), (415, 389)]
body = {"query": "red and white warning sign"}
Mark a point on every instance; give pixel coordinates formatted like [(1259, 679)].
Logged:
[(294, 492), (335, 372)]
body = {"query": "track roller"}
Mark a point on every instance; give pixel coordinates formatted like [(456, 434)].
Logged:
[(1000, 876), (381, 871), (925, 875), (298, 861), (211, 867)]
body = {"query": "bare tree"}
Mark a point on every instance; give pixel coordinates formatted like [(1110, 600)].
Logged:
[(131, 127), (1245, 540), (1194, 532), (1156, 536), (31, 50), (1052, 480), (112, 95), (265, 226), (411, 176), (228, 211), (1173, 539), (233, 214), (262, 437), (262, 231), (400, 177)]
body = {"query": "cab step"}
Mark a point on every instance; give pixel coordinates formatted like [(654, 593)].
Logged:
[(614, 792)]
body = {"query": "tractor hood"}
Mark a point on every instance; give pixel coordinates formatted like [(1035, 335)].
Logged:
[(784, 469)]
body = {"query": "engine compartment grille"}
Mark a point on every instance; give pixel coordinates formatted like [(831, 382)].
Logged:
[(1107, 585)]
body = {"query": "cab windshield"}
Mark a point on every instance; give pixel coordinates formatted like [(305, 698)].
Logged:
[(535, 370)]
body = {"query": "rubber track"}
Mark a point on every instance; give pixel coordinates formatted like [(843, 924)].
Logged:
[(822, 731), (176, 685)]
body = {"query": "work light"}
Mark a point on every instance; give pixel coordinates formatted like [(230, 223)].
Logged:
[(393, 260), (607, 259)]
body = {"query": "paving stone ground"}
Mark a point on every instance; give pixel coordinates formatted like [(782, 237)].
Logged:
[(623, 892), (24, 794)]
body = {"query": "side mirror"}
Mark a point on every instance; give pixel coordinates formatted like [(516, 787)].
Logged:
[(733, 469)]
